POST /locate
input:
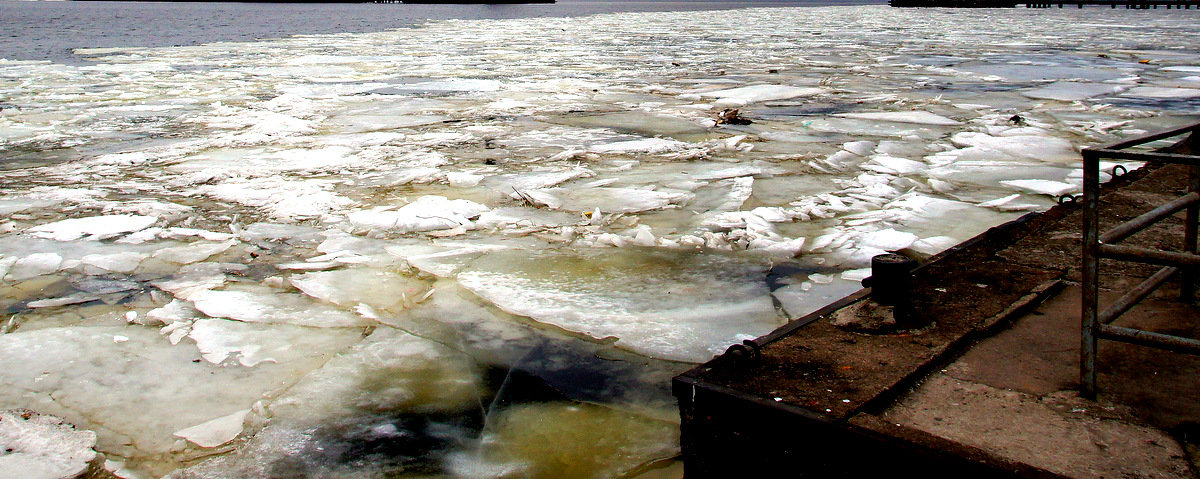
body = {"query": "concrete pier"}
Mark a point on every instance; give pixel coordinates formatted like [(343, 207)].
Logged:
[(984, 384)]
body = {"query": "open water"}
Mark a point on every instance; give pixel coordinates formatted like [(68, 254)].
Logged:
[(52, 30)]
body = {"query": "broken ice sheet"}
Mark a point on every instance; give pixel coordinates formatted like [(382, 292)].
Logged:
[(741, 96), (918, 117), (260, 304), (215, 432), (129, 392), (379, 289), (249, 344), (97, 227), (427, 213), (679, 305), (390, 386), (608, 200), (193, 252)]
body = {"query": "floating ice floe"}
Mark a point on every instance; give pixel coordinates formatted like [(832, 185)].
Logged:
[(1161, 92), (442, 261), (128, 391), (649, 146), (888, 240), (369, 392), (660, 303), (1073, 91), (39, 446), (282, 198), (121, 262), (616, 200), (250, 344), (1044, 148), (381, 290), (215, 432), (94, 227), (742, 96), (917, 117), (191, 253), (34, 265), (427, 213), (265, 306), (1042, 187)]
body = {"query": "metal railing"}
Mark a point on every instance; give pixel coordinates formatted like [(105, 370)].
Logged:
[(1096, 245)]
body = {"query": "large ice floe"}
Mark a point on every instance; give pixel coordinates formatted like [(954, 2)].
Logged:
[(482, 248)]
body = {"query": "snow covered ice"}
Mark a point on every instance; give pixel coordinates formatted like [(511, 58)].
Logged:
[(249, 258)]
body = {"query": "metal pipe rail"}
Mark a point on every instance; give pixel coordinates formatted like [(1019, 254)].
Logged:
[(1095, 322)]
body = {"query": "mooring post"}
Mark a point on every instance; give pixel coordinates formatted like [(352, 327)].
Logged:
[(891, 285)]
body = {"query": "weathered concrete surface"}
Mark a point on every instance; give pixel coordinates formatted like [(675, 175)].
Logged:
[(1060, 432)]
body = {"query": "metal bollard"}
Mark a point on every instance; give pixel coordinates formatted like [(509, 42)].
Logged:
[(891, 285)]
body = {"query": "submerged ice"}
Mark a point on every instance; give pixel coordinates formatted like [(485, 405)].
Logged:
[(325, 255)]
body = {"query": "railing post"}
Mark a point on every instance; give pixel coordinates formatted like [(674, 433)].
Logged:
[(1187, 284), (1091, 270)]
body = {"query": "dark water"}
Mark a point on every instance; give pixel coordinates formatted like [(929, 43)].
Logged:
[(51, 30)]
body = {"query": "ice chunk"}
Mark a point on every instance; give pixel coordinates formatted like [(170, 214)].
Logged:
[(1161, 92), (382, 290), (191, 253), (427, 213), (389, 371), (443, 261), (176, 232), (130, 392), (34, 265), (860, 148), (281, 197), (616, 200), (38, 446), (672, 304), (888, 240), (122, 262), (650, 146), (268, 307), (1042, 187), (176, 310), (933, 245), (918, 117), (391, 388), (742, 96), (215, 432), (250, 344), (1043, 148), (460, 179), (891, 164), (97, 227), (1072, 91)]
